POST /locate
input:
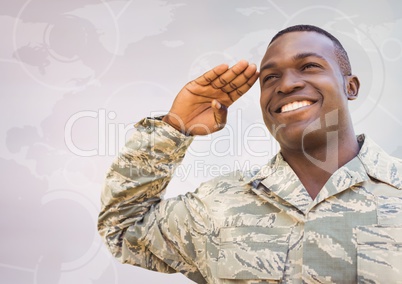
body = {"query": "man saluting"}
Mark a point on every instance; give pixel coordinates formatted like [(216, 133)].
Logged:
[(326, 209)]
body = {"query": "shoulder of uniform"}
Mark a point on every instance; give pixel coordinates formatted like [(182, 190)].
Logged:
[(380, 165)]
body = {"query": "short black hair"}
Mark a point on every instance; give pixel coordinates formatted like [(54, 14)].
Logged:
[(340, 53)]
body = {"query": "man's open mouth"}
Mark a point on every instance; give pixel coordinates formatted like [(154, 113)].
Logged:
[(294, 106)]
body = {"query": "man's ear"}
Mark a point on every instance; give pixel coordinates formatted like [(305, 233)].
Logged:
[(352, 87)]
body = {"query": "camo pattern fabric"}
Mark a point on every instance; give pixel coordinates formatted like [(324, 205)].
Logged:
[(260, 227)]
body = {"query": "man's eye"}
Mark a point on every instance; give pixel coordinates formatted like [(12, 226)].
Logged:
[(310, 66), (269, 77)]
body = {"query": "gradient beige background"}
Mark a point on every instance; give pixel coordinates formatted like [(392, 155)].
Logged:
[(76, 74)]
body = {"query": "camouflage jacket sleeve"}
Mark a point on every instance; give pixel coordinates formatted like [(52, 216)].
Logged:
[(133, 221)]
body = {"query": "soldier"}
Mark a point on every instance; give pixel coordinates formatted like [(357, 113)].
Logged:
[(325, 209)]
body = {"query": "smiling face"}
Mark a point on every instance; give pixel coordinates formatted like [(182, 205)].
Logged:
[(301, 81)]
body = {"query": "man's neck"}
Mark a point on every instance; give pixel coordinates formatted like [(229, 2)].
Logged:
[(315, 166)]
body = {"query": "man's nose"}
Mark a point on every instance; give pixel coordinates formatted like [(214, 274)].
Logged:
[(289, 82)]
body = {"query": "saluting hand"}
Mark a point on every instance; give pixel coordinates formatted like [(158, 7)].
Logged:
[(200, 108)]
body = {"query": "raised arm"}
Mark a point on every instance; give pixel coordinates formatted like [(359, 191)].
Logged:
[(200, 108), (135, 223)]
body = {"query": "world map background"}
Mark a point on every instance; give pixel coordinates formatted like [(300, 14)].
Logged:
[(77, 74)]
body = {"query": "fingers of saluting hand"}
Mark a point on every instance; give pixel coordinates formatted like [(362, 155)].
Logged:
[(242, 83), (234, 81), (222, 75), (223, 80)]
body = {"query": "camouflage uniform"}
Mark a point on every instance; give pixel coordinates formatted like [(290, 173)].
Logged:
[(254, 228)]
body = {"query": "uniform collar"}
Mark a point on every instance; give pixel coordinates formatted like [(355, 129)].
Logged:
[(371, 162)]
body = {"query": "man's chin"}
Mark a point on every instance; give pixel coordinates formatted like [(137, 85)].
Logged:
[(290, 138), (298, 137)]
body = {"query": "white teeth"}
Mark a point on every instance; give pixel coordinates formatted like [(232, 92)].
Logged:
[(295, 105)]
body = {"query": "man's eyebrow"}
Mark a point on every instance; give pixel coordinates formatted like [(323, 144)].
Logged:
[(268, 66), (308, 54), (298, 56)]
